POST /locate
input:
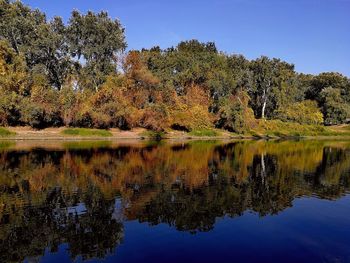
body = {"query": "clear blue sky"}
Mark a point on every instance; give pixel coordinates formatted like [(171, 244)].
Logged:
[(312, 34)]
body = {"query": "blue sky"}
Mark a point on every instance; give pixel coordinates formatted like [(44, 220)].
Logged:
[(312, 34)]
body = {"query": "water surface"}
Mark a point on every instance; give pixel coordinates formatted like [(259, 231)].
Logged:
[(244, 201)]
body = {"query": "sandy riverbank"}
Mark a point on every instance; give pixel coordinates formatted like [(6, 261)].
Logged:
[(54, 134), (27, 133)]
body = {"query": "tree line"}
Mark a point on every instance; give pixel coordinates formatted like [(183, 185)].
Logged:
[(79, 74)]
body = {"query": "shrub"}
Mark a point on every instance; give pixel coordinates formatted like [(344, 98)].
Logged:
[(71, 102), (335, 109), (107, 108), (42, 108), (14, 77), (235, 115), (10, 112), (155, 117), (189, 118), (305, 112)]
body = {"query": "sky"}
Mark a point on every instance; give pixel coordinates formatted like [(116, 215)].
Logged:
[(312, 34)]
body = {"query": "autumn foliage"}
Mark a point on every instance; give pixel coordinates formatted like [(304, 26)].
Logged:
[(82, 81)]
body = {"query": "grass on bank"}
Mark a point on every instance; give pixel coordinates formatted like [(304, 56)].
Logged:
[(6, 133), (277, 128), (204, 133), (84, 132)]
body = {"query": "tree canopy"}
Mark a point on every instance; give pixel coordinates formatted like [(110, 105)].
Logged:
[(78, 74)]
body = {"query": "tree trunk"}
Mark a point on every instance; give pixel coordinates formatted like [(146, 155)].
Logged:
[(264, 105), (265, 94), (14, 42), (263, 109)]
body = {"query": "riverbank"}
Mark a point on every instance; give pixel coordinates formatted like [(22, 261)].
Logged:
[(265, 132), (63, 133)]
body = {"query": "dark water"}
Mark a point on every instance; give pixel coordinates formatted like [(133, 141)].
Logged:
[(250, 201)]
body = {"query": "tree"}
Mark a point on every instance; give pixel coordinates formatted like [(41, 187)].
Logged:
[(19, 24), (42, 108), (108, 107), (43, 44), (335, 109), (269, 77), (189, 63), (14, 83), (305, 112), (235, 115), (325, 80), (96, 38), (332, 92)]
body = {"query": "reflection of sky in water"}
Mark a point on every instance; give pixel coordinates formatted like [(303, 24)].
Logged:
[(118, 213), (310, 231), (79, 209)]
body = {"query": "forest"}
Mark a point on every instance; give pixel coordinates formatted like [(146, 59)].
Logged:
[(80, 73)]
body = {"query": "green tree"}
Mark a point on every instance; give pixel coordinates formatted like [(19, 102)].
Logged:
[(305, 112), (270, 77), (14, 83), (97, 39), (332, 92), (43, 44), (334, 107), (325, 80), (235, 115)]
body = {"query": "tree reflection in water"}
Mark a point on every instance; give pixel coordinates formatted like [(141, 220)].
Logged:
[(68, 193)]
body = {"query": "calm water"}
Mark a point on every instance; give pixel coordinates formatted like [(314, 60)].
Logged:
[(250, 201)]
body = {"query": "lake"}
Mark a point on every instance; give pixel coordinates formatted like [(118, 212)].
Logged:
[(196, 201)]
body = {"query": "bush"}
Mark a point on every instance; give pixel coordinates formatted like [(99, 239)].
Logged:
[(305, 112), (107, 108), (190, 118), (10, 112), (335, 109), (42, 108), (235, 115), (14, 76), (155, 117), (71, 102)]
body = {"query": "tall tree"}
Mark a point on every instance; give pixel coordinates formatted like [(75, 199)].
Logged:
[(42, 43), (270, 75), (97, 39)]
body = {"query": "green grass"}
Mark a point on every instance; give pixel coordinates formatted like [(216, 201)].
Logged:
[(86, 132), (6, 133), (203, 133), (277, 128)]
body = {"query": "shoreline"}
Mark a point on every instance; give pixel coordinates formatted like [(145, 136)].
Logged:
[(55, 134)]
